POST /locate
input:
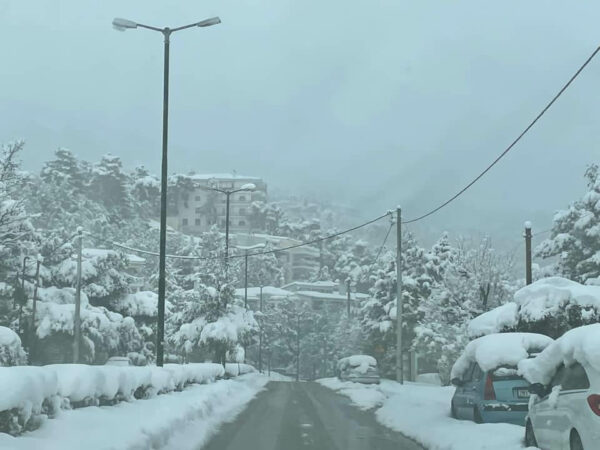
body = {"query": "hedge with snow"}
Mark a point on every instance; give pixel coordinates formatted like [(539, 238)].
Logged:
[(550, 306), (30, 394)]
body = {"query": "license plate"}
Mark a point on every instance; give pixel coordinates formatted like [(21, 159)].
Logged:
[(523, 393)]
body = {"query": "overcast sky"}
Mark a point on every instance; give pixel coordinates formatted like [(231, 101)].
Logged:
[(373, 103)]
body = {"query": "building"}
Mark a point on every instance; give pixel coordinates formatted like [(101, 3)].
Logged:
[(195, 208), (328, 294), (269, 294), (298, 262)]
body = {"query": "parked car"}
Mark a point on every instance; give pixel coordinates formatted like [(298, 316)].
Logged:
[(359, 369), (564, 412), (488, 386), (118, 361)]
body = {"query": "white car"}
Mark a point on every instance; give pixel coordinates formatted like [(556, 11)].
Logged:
[(118, 361), (564, 413)]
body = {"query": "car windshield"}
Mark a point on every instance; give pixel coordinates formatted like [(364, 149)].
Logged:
[(299, 224)]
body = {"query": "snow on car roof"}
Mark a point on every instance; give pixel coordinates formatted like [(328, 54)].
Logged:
[(545, 297), (494, 321), (362, 361), (500, 349), (577, 345)]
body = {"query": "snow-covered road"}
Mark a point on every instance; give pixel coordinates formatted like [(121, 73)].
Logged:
[(422, 412), (179, 420)]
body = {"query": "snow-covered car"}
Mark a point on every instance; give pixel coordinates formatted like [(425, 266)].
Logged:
[(488, 385), (118, 361), (564, 410), (359, 369)]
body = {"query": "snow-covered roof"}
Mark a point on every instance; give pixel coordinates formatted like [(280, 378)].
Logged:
[(327, 296), (546, 296), (315, 284), (270, 291), (220, 176), (494, 321), (501, 349), (577, 345)]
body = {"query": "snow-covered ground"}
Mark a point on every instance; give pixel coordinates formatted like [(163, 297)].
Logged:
[(422, 412), (177, 420)]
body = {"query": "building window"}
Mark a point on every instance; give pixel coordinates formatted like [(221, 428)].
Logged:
[(184, 222), (198, 198), (242, 223), (242, 198), (198, 222), (222, 223), (242, 211), (198, 210)]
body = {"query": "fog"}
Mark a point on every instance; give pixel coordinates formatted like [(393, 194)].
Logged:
[(366, 103)]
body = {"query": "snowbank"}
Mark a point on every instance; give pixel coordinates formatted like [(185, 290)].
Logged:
[(499, 349), (359, 363), (28, 391), (578, 345), (494, 321), (547, 296), (11, 350), (181, 420), (422, 412)]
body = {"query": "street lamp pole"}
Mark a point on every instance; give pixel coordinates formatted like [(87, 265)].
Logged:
[(122, 25)]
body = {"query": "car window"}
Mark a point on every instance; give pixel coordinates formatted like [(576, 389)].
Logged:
[(575, 378), (558, 377), (477, 373)]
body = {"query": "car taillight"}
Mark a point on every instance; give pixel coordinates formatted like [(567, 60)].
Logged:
[(594, 402), (489, 393)]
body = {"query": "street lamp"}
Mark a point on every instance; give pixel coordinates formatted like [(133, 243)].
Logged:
[(122, 25), (248, 187)]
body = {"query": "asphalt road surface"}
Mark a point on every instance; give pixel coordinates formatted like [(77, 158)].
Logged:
[(305, 416)]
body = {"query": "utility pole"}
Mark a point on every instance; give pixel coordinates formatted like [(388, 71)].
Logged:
[(399, 299), (34, 308), (298, 347), (246, 280), (24, 299), (77, 318), (227, 232), (348, 296), (528, 277), (260, 334)]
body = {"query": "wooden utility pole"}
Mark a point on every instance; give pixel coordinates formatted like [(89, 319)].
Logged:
[(298, 347), (399, 299), (32, 335), (528, 276), (77, 318), (348, 296), (260, 333), (246, 280)]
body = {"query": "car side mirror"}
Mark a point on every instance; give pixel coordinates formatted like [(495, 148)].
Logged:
[(538, 389), (457, 382)]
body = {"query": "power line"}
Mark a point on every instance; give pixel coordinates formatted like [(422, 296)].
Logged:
[(509, 148), (381, 248), (212, 258)]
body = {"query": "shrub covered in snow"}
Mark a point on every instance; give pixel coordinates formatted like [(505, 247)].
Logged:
[(550, 306), (502, 349), (29, 392), (11, 351), (578, 345)]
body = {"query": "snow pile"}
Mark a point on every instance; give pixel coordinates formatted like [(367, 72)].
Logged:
[(578, 345), (422, 412), (548, 296), (494, 321), (142, 303), (26, 389), (236, 369), (502, 349), (181, 420), (358, 363), (11, 350)]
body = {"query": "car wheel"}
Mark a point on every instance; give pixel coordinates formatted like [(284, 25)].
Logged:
[(530, 440), (575, 441), (477, 415)]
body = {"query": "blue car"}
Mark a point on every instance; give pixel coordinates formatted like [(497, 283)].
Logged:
[(498, 395)]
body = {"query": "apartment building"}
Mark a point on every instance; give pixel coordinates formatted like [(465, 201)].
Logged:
[(197, 207)]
